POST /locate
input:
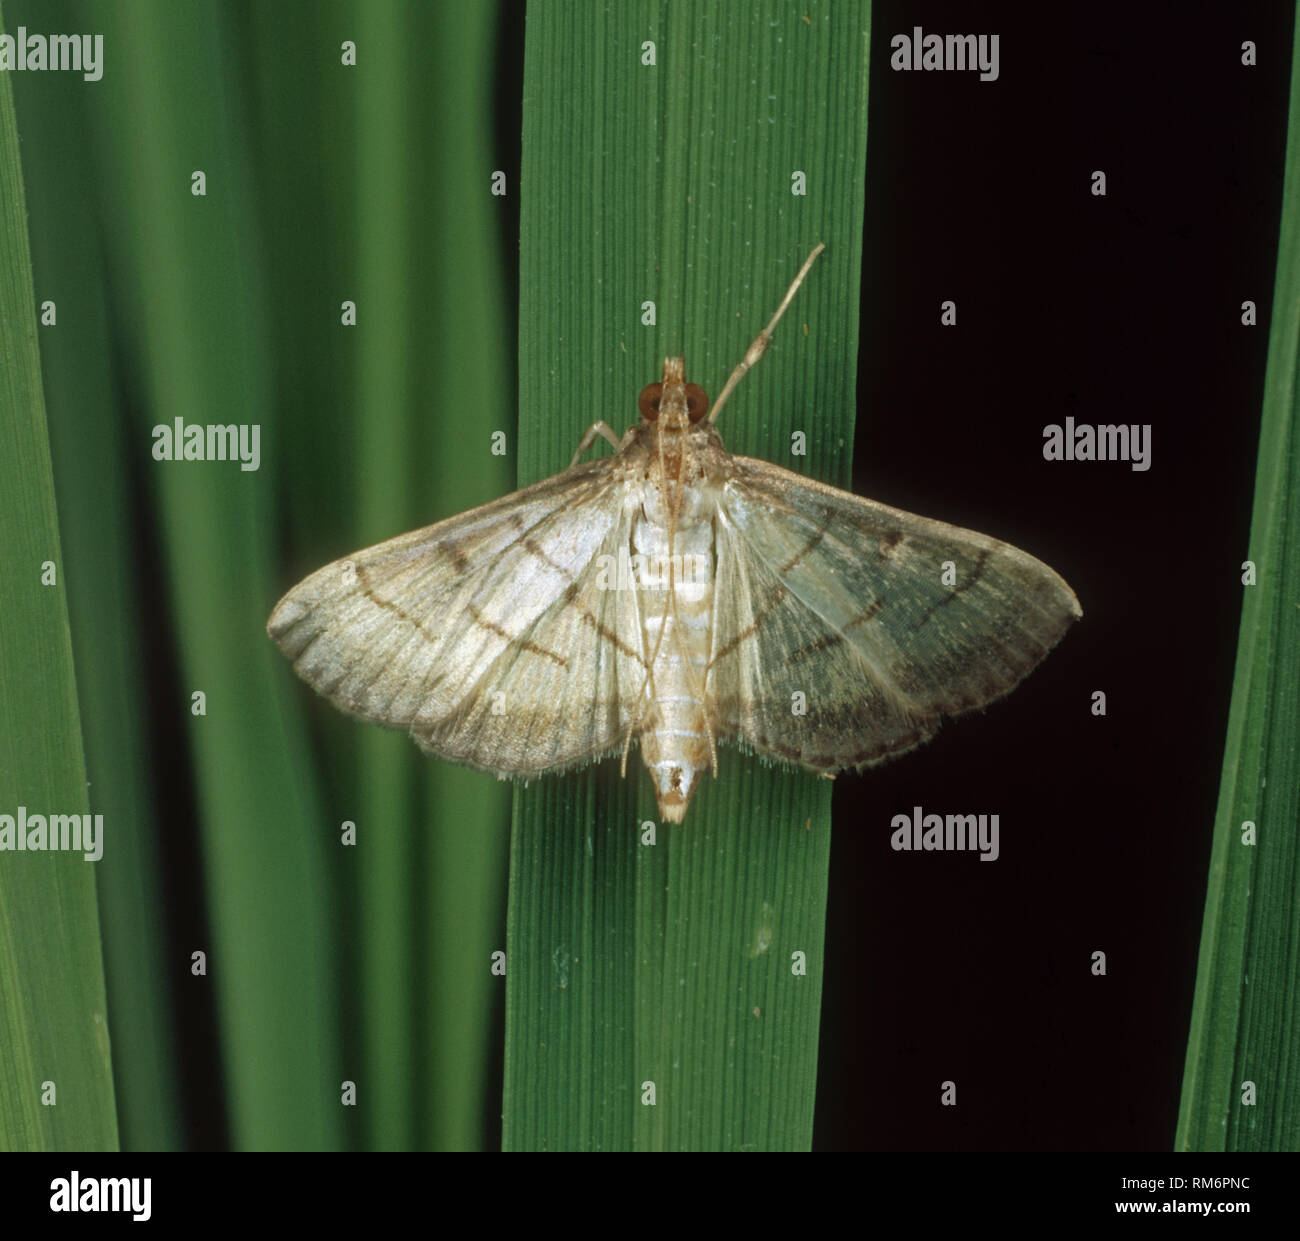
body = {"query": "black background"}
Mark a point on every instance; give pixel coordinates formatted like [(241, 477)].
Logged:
[(1122, 309)]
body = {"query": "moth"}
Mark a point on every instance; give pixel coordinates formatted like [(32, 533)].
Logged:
[(678, 596)]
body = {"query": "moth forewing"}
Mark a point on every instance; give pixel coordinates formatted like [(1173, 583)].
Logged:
[(851, 610), (678, 596), (470, 634)]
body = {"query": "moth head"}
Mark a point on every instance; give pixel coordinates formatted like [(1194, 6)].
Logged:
[(673, 402)]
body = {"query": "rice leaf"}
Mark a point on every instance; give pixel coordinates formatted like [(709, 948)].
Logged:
[(182, 234), (684, 159), (1241, 1082), (56, 1085)]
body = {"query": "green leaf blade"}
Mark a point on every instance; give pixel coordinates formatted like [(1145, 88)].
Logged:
[(636, 968), (1245, 1030), (56, 1085)]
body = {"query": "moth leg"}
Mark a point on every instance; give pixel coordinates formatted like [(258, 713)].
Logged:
[(647, 684), (627, 746), (596, 429), (634, 725)]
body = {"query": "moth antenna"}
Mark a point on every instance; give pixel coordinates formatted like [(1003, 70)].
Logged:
[(756, 350)]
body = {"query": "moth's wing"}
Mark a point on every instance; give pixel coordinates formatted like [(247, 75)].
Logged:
[(492, 636), (839, 598)]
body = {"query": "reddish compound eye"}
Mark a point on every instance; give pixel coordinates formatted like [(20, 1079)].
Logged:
[(697, 402), (648, 401)]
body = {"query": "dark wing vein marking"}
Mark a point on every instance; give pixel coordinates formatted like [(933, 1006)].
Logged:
[(611, 637), (869, 613), (524, 644), (809, 546), (460, 561), (824, 643), (531, 546), (888, 542), (388, 605), (774, 598), (955, 592)]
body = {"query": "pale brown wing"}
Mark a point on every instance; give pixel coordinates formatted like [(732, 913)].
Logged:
[(842, 600), (491, 636)]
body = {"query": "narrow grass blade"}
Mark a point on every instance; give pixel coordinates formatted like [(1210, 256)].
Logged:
[(191, 322), (93, 454), (1241, 1084), (462, 392), (680, 159), (385, 427), (56, 1086)]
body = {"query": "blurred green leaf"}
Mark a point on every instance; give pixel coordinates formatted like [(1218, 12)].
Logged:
[(325, 964), (93, 453), (191, 318), (382, 428)]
